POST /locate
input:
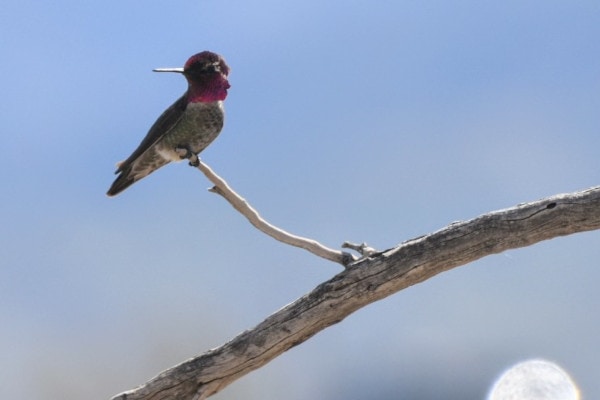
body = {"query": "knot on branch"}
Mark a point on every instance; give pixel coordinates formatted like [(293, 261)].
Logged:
[(364, 249)]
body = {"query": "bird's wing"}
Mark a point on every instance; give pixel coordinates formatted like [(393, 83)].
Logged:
[(145, 159), (167, 120)]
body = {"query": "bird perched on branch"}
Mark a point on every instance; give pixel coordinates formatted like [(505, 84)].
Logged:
[(184, 129)]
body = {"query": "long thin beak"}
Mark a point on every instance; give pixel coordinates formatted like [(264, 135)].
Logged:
[(180, 70)]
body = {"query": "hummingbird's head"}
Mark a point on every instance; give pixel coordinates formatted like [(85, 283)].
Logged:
[(206, 73)]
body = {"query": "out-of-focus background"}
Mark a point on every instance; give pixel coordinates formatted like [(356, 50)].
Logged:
[(346, 120)]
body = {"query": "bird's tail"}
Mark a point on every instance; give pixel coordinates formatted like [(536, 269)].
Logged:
[(123, 181), (135, 168)]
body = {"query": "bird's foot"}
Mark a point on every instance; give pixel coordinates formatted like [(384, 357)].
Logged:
[(185, 153), (194, 160)]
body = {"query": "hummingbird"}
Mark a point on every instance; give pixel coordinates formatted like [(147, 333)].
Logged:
[(184, 129)]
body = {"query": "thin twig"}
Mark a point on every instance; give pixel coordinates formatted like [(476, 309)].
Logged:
[(239, 203)]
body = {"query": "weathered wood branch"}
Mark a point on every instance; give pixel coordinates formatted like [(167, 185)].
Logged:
[(369, 280)]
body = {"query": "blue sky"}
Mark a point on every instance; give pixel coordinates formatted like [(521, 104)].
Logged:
[(351, 120)]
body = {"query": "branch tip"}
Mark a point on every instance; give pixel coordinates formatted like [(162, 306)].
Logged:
[(214, 190)]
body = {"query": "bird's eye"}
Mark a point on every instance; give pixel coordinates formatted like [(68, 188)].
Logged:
[(210, 68)]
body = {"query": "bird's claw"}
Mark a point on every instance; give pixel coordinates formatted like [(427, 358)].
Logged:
[(194, 160), (186, 153)]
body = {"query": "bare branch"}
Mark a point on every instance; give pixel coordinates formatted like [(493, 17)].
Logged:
[(369, 280), (239, 203)]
